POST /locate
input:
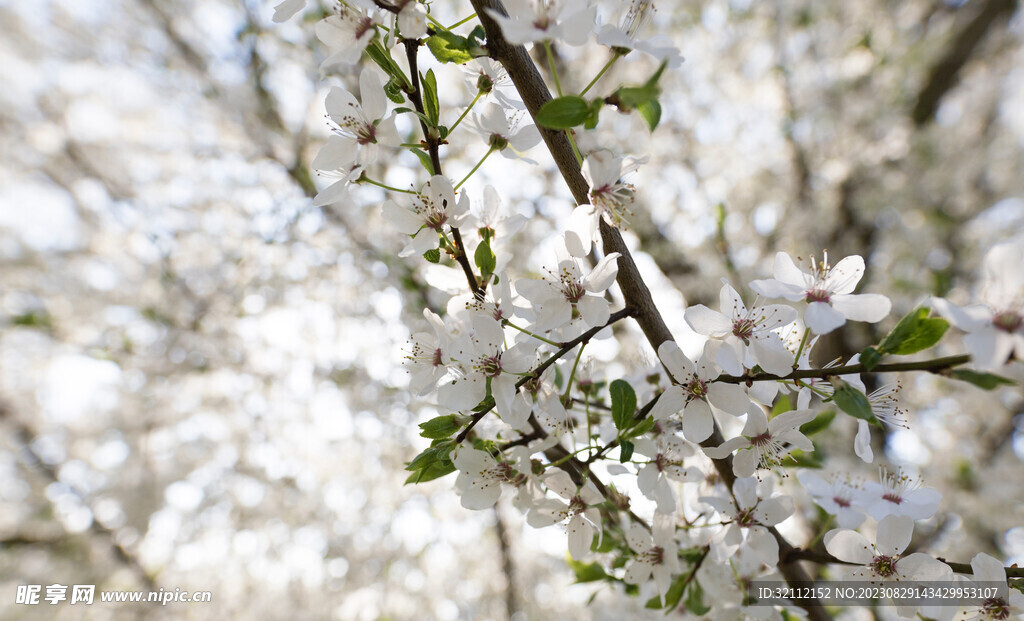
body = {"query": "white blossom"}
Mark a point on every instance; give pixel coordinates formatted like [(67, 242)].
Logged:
[(827, 290), (667, 454), (432, 209), (348, 31), (996, 327), (567, 293), (883, 561), (764, 443), (625, 36), (837, 495), (693, 391), (1006, 604), (509, 136), (748, 333), (584, 520), (899, 493), (560, 21), (656, 555), (610, 199), (480, 477)]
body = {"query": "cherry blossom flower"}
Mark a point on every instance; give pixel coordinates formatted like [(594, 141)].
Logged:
[(750, 513), (358, 133), (726, 584), (624, 36), (564, 21), (562, 296), (363, 124), (748, 334), (765, 443), (489, 78), (610, 199), (693, 391), (581, 511), (348, 31), (656, 555), (898, 493), (883, 561), (428, 355), (510, 137), (827, 291), (1007, 603), (667, 453), (482, 361), (480, 477), (411, 18), (433, 208), (836, 495), (996, 328)]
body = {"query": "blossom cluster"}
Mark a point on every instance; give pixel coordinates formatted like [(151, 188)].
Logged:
[(503, 359)]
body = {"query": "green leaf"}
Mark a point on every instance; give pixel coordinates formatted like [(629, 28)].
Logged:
[(448, 47), (485, 259), (625, 451), (430, 101), (916, 331), (650, 110), (440, 427), (432, 463), (593, 114), (870, 357), (436, 451), (393, 89), (563, 113), (435, 470), (782, 404), (623, 403), (853, 402), (695, 599), (433, 255), (640, 428), (587, 572), (819, 424), (424, 159), (382, 57), (988, 381)]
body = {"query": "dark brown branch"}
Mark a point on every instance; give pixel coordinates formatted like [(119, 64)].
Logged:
[(943, 75), (534, 91), (433, 146), (935, 365)]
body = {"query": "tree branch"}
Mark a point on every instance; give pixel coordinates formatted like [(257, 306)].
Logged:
[(531, 86), (935, 365)]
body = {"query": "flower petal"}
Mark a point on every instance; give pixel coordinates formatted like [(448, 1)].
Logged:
[(869, 307), (849, 546), (698, 423), (822, 318)]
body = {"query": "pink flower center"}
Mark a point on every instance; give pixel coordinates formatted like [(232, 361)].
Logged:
[(817, 295), (842, 502), (1007, 321), (744, 329), (884, 566), (893, 497), (697, 388), (995, 608)]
